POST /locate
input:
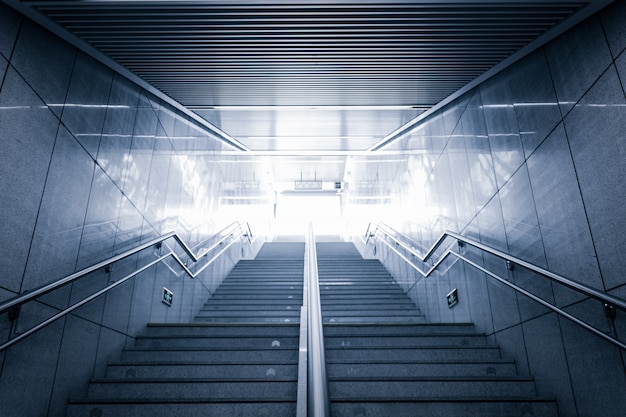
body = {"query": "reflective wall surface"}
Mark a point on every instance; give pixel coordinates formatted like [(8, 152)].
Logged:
[(533, 163), (91, 165)]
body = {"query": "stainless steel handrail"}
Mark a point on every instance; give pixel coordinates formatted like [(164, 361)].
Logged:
[(17, 301), (318, 402), (608, 299)]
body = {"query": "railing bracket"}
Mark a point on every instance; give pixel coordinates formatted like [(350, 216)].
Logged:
[(609, 311), (14, 313)]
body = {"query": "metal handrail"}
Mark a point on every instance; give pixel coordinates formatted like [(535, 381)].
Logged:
[(608, 299), (318, 402), (17, 301)]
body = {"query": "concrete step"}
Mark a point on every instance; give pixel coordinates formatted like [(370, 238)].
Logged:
[(409, 329), (358, 288), (131, 370), (224, 355), (385, 314), (252, 296), (402, 301), (404, 305), (422, 353), (182, 408), (228, 301), (262, 280), (444, 407), (371, 319), (222, 330), (249, 319), (370, 297), (392, 368), (220, 388), (259, 289), (367, 339), (354, 273), (240, 306), (258, 313), (212, 342), (432, 387)]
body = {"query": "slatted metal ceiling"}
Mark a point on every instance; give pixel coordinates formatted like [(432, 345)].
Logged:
[(307, 77), (341, 53)]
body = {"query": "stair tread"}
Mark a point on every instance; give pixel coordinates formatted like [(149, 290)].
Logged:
[(201, 363), (179, 400), (443, 378), (189, 380), (490, 398), (236, 324)]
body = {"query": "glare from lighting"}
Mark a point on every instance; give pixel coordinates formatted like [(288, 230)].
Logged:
[(294, 212)]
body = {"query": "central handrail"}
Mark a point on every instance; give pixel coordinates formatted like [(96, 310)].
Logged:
[(611, 301), (318, 402), (227, 232)]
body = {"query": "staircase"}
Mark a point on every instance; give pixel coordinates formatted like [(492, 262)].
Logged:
[(238, 358), (240, 355), (384, 359)]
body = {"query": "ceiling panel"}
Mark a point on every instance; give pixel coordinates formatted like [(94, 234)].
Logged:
[(215, 57), (215, 53)]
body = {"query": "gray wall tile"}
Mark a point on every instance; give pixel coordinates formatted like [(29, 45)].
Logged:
[(613, 25), (76, 362), (58, 232), (547, 361), (598, 384), (534, 100), (576, 59), (25, 153), (37, 48), (561, 213), (30, 370), (595, 131), (10, 22), (86, 102)]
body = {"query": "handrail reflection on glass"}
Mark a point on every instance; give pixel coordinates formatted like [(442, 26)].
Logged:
[(318, 403), (608, 299), (229, 231)]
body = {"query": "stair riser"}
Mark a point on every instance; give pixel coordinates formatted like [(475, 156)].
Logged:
[(293, 312), (385, 330), (389, 314), (360, 289), (372, 319), (421, 369), (214, 302), (224, 356), (252, 307), (215, 342), (201, 371), (226, 331), (189, 390), (364, 298), (402, 389), (342, 306), (251, 317), (412, 354), (408, 341), (261, 291), (244, 297), (445, 409), (262, 409), (243, 320)]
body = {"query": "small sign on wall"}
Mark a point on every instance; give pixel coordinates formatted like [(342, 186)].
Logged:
[(167, 297), (453, 298)]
